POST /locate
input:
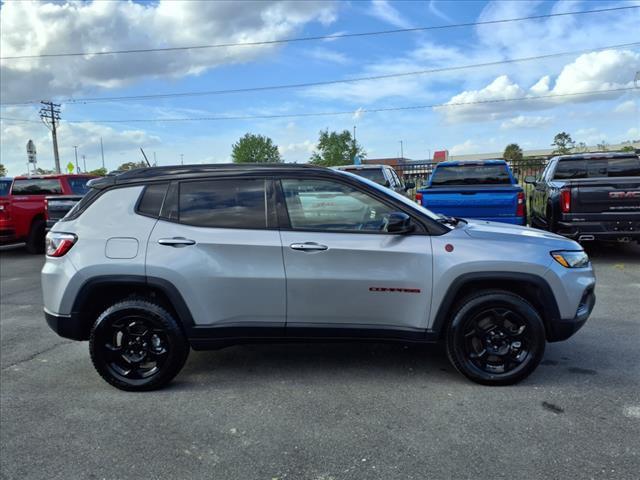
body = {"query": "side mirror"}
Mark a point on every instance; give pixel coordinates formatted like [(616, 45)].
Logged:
[(409, 185), (530, 179), (397, 222)]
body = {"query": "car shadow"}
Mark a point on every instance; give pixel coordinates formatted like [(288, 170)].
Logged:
[(613, 251)]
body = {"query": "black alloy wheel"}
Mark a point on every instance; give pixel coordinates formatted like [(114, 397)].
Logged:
[(137, 345), (496, 338)]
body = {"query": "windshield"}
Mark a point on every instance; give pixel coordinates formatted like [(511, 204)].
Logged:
[(373, 174), (414, 206), (78, 185), (471, 174), (5, 186), (598, 167)]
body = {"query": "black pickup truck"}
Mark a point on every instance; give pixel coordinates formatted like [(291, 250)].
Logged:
[(591, 196)]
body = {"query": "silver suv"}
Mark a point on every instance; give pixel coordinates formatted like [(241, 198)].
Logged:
[(155, 261)]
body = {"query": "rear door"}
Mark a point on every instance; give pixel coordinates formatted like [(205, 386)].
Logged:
[(218, 245), (342, 269)]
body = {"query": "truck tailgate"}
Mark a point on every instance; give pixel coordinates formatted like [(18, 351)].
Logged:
[(57, 206), (600, 195), (473, 202)]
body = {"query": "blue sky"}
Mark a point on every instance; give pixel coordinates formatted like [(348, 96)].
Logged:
[(35, 28)]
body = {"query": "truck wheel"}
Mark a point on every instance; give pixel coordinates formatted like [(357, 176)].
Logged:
[(35, 239), (495, 338), (137, 345)]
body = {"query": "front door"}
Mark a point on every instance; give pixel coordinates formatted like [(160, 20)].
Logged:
[(342, 268)]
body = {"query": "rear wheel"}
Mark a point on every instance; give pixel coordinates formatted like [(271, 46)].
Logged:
[(137, 345), (35, 239), (496, 338)]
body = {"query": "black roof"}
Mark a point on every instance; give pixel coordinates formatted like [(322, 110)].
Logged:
[(589, 156), (175, 172)]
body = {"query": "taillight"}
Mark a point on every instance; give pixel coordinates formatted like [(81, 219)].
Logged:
[(565, 200), (520, 206), (419, 198), (58, 244)]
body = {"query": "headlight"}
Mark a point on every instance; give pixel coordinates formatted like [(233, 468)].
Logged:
[(571, 258)]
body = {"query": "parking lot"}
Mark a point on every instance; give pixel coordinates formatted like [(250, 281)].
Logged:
[(324, 411)]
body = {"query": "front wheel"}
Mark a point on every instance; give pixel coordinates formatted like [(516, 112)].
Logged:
[(496, 338), (137, 345)]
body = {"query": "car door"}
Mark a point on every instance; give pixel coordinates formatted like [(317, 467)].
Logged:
[(539, 195), (216, 243), (342, 268)]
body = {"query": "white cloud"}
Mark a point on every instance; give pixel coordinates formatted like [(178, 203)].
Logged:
[(463, 148), (357, 115), (438, 13), (327, 55), (596, 71), (626, 107), (634, 133), (297, 150), (30, 28), (382, 10), (522, 121)]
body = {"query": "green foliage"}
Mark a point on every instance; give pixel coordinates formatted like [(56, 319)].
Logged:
[(336, 148), (3, 170), (581, 147), (563, 143), (132, 165), (255, 149), (100, 172), (512, 153), (628, 148), (44, 171), (603, 146)]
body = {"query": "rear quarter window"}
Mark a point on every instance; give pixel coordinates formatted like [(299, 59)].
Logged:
[(151, 200), (78, 185), (37, 186), (5, 187)]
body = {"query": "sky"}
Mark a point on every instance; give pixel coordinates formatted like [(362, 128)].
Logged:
[(453, 120)]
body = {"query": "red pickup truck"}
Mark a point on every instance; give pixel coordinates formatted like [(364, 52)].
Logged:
[(22, 212)]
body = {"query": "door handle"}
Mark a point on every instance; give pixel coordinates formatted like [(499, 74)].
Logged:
[(308, 246), (176, 242)]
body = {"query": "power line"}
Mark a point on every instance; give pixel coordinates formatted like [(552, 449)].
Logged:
[(351, 112), (86, 100), (318, 37)]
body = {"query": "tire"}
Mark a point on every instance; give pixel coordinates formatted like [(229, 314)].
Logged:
[(137, 345), (495, 338), (35, 239)]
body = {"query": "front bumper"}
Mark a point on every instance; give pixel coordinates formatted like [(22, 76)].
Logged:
[(562, 329), (65, 325)]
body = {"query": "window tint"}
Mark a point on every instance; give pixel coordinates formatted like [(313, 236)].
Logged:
[(328, 205), (78, 185), (598, 167), (5, 186), (152, 198), (36, 186), (472, 174), (233, 203)]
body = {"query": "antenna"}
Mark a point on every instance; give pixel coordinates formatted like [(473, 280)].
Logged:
[(145, 157)]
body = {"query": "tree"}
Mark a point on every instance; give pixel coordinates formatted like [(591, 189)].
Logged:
[(132, 165), (581, 147), (336, 148), (3, 170), (100, 172), (563, 143), (255, 149), (513, 153), (628, 148), (603, 146)]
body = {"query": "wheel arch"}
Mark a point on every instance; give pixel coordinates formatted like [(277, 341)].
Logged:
[(531, 287), (97, 293)]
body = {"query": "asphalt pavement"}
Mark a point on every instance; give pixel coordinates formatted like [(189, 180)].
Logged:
[(321, 412)]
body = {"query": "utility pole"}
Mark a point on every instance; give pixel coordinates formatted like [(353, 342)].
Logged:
[(75, 147), (401, 150), (102, 152), (50, 116), (155, 162), (182, 159), (84, 163)]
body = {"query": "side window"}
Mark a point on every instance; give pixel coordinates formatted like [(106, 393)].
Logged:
[(395, 177), (152, 198), (228, 203), (330, 205)]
